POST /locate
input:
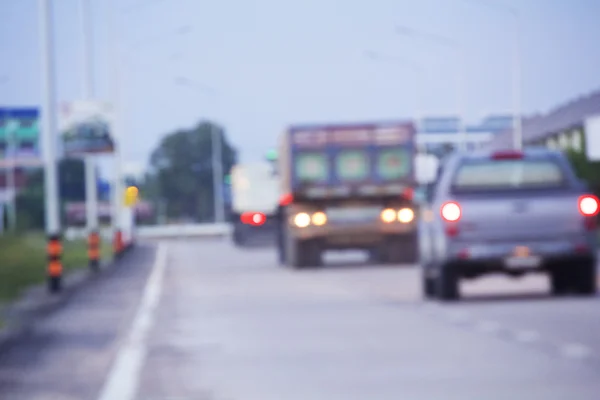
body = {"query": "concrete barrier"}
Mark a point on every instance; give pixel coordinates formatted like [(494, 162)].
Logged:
[(159, 231), (183, 230)]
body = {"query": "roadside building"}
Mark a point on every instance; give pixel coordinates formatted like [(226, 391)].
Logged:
[(566, 127)]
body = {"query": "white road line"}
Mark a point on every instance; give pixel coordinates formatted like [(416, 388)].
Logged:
[(526, 336), (122, 382), (576, 350), (488, 326)]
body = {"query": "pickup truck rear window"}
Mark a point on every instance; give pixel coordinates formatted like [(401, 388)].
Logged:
[(508, 174)]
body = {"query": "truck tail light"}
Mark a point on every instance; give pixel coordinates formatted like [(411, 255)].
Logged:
[(251, 218), (286, 199), (589, 206)]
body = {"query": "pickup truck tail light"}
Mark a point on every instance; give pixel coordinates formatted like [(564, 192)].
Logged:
[(451, 213), (589, 206)]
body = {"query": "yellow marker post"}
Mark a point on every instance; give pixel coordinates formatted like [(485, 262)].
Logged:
[(131, 196)]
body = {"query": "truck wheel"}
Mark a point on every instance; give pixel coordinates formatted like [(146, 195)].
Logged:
[(392, 250), (447, 283), (374, 256), (304, 254), (584, 278), (280, 242), (314, 253), (410, 249), (239, 238), (429, 289)]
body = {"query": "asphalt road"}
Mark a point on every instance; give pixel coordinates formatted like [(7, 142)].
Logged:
[(205, 321)]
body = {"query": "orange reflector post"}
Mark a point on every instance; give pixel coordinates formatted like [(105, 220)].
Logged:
[(118, 246), (54, 268), (94, 250)]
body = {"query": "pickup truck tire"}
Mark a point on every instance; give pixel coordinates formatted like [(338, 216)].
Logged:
[(559, 281), (429, 289), (584, 278), (447, 283)]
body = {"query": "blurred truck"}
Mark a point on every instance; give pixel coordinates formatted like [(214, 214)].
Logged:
[(347, 186), (255, 196)]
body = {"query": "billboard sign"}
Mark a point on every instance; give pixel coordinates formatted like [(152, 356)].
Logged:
[(19, 137), (86, 127)]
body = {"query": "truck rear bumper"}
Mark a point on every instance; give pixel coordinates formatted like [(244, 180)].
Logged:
[(365, 236)]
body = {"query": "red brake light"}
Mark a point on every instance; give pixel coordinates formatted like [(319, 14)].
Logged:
[(451, 211), (507, 155), (286, 199), (246, 218), (589, 205), (409, 194), (258, 219)]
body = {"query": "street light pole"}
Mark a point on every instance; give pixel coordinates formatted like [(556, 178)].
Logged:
[(49, 143), (517, 65), (11, 150), (217, 167), (216, 150), (418, 68), (91, 190), (517, 96), (460, 76), (118, 185)]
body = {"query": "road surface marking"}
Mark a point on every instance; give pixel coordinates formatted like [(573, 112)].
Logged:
[(122, 382), (576, 350), (527, 336), (488, 326)]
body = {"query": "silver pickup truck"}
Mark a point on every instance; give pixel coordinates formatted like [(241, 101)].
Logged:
[(508, 212)]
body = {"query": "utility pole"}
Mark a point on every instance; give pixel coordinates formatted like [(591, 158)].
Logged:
[(49, 143)]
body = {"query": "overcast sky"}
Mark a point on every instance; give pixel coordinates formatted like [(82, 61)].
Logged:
[(273, 63)]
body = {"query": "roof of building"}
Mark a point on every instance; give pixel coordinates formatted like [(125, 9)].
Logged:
[(563, 117)]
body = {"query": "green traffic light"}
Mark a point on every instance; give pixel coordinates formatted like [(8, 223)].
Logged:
[(272, 155), (227, 179)]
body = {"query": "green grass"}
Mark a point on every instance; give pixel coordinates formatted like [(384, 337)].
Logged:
[(23, 261)]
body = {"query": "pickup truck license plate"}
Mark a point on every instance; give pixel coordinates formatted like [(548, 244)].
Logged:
[(522, 259), (523, 262)]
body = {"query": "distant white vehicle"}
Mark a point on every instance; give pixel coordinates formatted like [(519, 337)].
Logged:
[(255, 199)]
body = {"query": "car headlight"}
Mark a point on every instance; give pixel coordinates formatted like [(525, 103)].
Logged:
[(319, 218), (302, 220), (406, 215), (388, 215)]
